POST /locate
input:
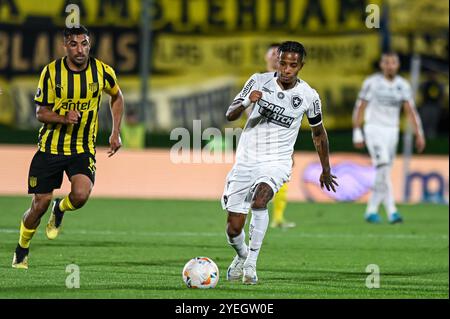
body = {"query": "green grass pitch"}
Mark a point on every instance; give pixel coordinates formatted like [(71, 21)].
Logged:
[(137, 249)]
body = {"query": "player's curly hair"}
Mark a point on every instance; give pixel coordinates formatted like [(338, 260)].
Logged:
[(81, 29), (293, 46)]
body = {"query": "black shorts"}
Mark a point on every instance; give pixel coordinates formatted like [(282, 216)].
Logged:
[(47, 170)]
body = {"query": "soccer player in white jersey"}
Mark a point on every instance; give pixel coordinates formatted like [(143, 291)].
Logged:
[(279, 201), (379, 103), (264, 154)]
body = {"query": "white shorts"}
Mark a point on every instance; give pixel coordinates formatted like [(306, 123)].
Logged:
[(242, 181), (381, 143)]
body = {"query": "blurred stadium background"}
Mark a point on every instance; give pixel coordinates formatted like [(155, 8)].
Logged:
[(199, 54), (194, 58)]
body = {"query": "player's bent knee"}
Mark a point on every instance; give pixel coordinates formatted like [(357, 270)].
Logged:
[(79, 197), (263, 194)]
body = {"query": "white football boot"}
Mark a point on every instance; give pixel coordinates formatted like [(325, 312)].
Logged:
[(249, 277), (235, 270)]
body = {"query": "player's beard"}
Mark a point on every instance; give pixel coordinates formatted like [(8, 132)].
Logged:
[(390, 75), (79, 62)]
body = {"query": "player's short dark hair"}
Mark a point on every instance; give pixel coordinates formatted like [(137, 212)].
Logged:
[(390, 53), (81, 29), (293, 46)]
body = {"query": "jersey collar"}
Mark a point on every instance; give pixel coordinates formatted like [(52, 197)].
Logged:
[(279, 86), (75, 72)]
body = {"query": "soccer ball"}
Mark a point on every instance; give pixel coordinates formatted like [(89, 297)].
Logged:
[(200, 272)]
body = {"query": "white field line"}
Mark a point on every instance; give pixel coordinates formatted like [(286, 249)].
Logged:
[(218, 234)]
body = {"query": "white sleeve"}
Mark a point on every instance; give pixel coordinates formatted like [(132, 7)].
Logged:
[(314, 111), (366, 90), (243, 96), (407, 92), (250, 85)]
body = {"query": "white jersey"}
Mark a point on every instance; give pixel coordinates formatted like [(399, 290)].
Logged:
[(385, 99), (273, 125)]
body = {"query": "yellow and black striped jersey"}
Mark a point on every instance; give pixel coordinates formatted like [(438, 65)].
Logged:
[(63, 89)]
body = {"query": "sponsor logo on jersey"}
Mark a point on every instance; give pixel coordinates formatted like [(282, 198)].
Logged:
[(274, 113), (296, 101), (247, 88), (76, 105)]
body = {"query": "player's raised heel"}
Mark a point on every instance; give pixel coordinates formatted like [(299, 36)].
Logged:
[(395, 218), (54, 223), (249, 277), (20, 258), (373, 218), (235, 270)]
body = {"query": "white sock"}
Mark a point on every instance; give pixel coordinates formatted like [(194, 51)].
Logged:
[(379, 190), (389, 201), (238, 243), (257, 231)]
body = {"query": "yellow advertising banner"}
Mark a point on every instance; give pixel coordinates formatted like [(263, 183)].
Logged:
[(335, 67), (6, 105), (203, 16), (424, 44), (418, 15), (100, 12), (350, 54)]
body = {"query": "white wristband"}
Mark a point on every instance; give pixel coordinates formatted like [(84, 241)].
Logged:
[(246, 103), (358, 136)]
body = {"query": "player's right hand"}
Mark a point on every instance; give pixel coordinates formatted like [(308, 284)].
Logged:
[(71, 117), (359, 145), (255, 96)]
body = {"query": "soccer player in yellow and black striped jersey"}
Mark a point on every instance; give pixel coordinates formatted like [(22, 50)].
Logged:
[(68, 100)]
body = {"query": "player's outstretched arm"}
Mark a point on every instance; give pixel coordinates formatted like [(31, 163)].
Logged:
[(357, 120), (320, 139), (44, 114), (237, 107), (117, 105), (414, 118)]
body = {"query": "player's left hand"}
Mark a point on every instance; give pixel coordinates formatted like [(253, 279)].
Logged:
[(327, 180), (115, 143)]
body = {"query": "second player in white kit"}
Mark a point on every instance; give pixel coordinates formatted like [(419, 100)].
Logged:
[(264, 154), (380, 101)]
